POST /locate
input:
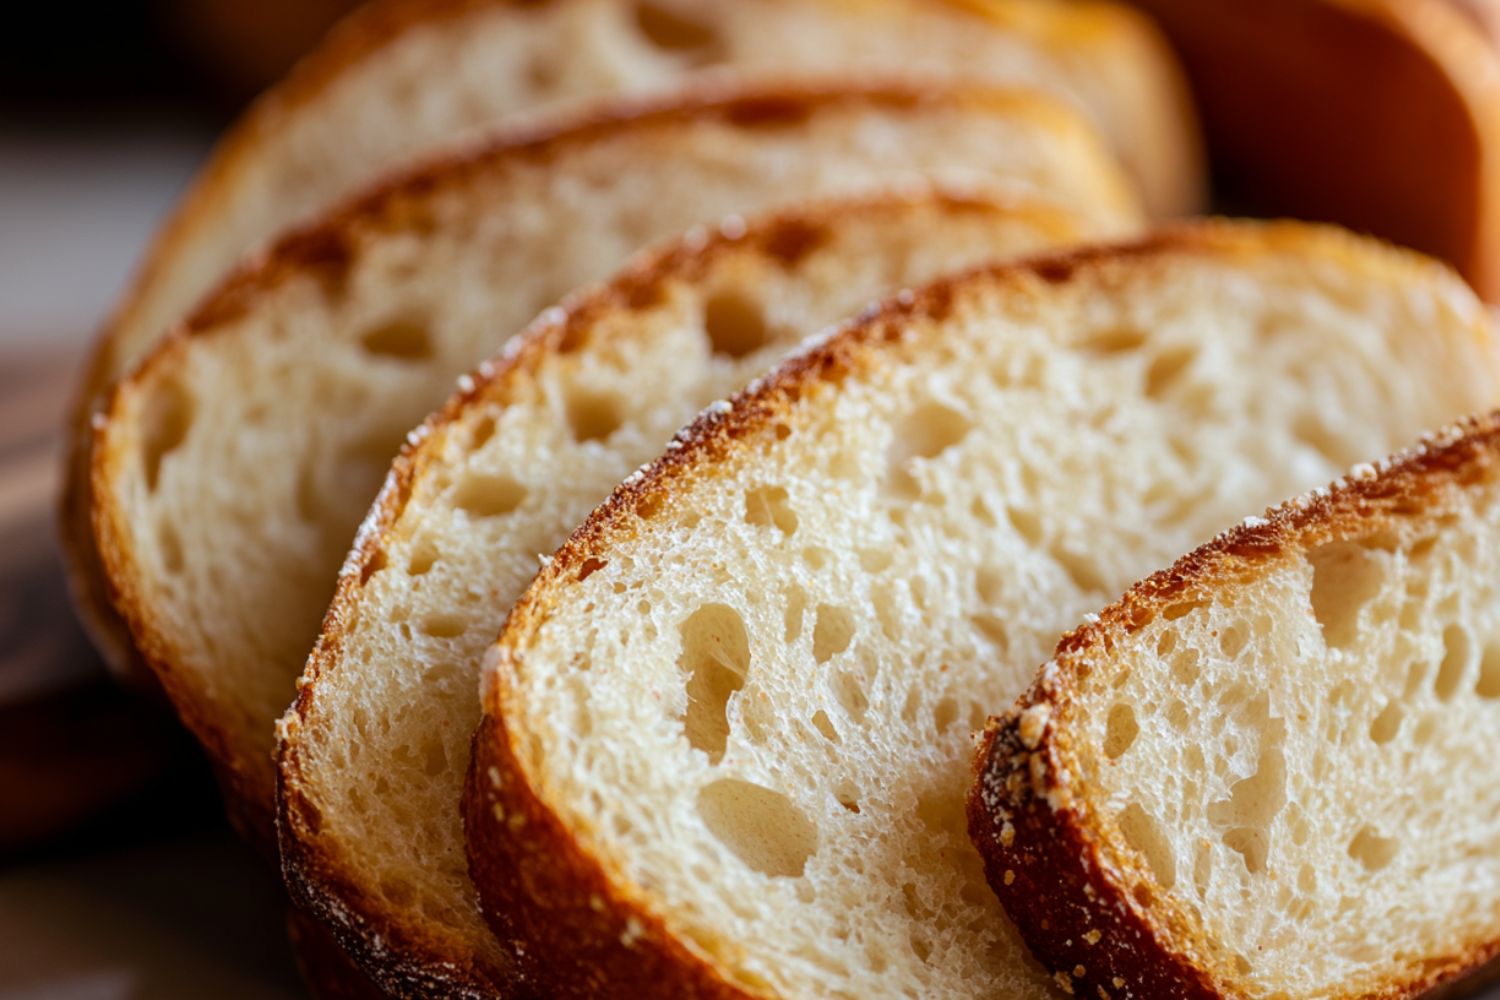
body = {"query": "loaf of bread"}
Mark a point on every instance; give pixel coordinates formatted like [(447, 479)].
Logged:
[(1266, 771), (1381, 115), (725, 746), (403, 76), (390, 699), (230, 472)]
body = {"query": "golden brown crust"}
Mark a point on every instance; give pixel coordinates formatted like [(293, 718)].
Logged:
[(1086, 906), (1383, 115), (534, 874), (320, 877)]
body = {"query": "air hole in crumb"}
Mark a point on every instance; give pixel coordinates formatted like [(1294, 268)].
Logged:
[(815, 556), (1113, 340), (1312, 432), (929, 431), (851, 696), (926, 433), (734, 323), (847, 796), (488, 495), (1387, 724), (374, 564), (944, 714), (1232, 640), (1166, 642), (796, 604), (593, 416), (716, 658), (1345, 577), (1166, 368), (1120, 730), (671, 30), (1371, 849), (1458, 651), (481, 434), (1182, 609), (1142, 832), (1488, 684), (770, 505), (823, 724), (875, 560), (590, 566), (761, 827), (1242, 965), (169, 413), (1081, 570), (423, 555), (833, 629), (171, 549), (1027, 524), (443, 626), (403, 339)]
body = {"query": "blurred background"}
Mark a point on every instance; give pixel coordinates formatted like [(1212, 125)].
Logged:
[(118, 875)]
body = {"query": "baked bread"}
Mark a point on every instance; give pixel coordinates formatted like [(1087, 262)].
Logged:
[(403, 76), (1382, 115), (231, 470), (1264, 771), (725, 746), (502, 474)]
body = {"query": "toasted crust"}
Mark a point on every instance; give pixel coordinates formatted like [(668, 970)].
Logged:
[(1383, 115), (1084, 904), (573, 920)]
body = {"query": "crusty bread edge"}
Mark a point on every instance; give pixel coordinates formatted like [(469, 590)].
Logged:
[(322, 878), (572, 919), (1087, 906)]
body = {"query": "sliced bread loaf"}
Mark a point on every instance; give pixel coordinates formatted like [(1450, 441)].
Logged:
[(232, 469), (374, 752), (402, 76), (1269, 770), (725, 748), (1382, 115)]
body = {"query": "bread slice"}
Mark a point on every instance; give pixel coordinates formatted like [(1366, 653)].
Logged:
[(1383, 115), (725, 746), (390, 696), (403, 76), (232, 469), (1265, 771)]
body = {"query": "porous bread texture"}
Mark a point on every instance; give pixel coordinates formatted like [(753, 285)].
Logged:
[(373, 754), (231, 471), (726, 733), (405, 76), (402, 77), (1271, 756)]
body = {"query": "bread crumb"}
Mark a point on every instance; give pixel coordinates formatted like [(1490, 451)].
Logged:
[(1033, 723), (1064, 982), (1007, 834), (1093, 936), (633, 932), (1079, 972), (1010, 876), (1117, 983)]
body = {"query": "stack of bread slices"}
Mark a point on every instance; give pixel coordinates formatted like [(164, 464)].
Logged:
[(587, 470)]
